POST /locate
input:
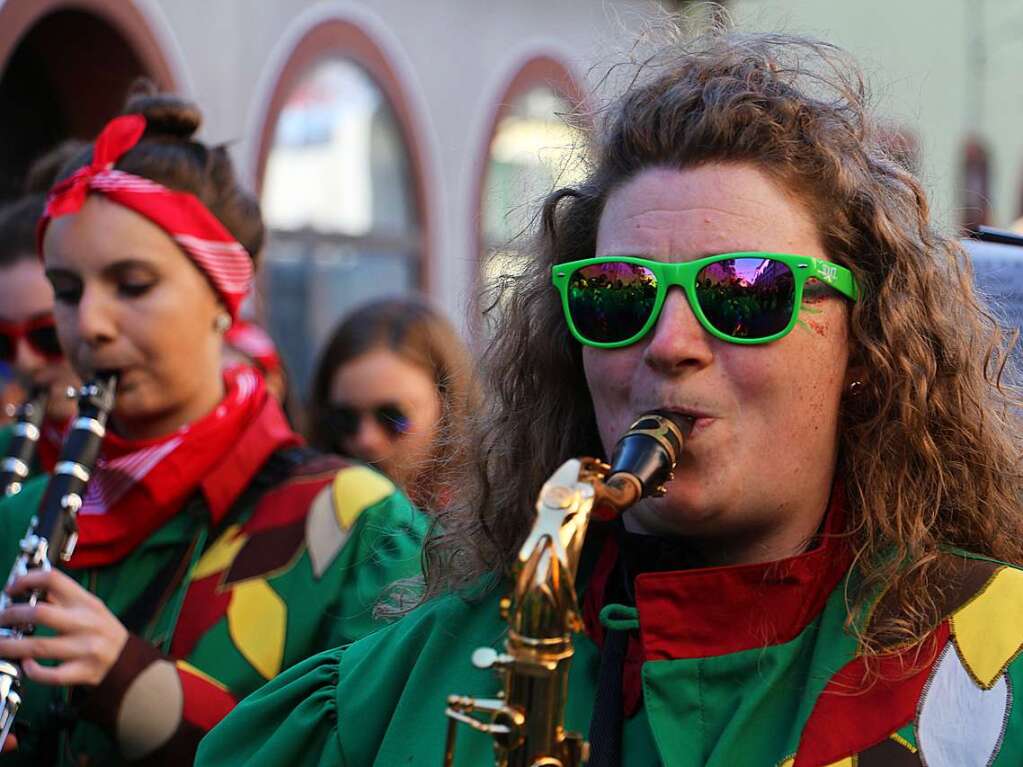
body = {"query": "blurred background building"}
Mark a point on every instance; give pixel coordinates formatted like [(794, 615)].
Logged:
[(399, 146)]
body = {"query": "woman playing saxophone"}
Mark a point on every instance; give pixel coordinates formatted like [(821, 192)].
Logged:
[(822, 583)]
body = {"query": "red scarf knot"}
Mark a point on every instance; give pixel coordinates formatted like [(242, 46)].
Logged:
[(199, 233)]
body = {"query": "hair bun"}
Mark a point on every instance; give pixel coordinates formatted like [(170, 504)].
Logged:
[(166, 114)]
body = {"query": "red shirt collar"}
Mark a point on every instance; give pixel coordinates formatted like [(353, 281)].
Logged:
[(721, 610)]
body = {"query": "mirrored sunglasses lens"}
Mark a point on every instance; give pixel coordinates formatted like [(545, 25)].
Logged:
[(392, 418), (44, 340), (612, 301), (747, 297)]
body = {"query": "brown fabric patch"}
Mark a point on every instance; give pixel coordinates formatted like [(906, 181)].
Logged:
[(319, 463), (267, 551), (102, 703), (888, 753), (956, 580)]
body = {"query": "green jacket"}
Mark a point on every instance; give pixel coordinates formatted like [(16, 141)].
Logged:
[(739, 667), (297, 569)]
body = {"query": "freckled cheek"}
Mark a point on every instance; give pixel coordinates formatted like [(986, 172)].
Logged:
[(609, 376)]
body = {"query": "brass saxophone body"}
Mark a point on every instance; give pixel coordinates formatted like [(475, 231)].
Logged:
[(526, 721)]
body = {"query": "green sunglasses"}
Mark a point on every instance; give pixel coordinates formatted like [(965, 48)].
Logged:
[(743, 298)]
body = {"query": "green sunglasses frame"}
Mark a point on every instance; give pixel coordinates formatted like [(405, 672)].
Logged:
[(683, 274)]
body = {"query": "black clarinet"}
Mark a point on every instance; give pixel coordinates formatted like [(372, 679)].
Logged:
[(22, 450), (53, 532)]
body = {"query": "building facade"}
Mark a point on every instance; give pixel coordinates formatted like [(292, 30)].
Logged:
[(399, 146)]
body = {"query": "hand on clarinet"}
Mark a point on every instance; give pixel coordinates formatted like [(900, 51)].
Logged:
[(89, 637)]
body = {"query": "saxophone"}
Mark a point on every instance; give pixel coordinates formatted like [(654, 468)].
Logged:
[(53, 532), (17, 463), (526, 720)]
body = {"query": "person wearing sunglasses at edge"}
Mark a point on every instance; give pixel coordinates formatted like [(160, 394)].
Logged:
[(394, 388), (215, 550), (28, 334), (822, 583)]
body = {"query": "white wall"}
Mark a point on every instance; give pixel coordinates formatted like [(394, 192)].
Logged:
[(944, 68)]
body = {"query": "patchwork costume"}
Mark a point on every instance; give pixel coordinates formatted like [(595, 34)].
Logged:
[(230, 553), (746, 666)]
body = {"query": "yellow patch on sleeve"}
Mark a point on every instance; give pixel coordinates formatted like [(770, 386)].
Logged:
[(188, 668), (988, 630), (787, 762), (257, 623), (355, 490), (221, 554)]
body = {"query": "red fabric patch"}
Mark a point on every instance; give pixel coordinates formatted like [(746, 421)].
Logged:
[(205, 704), (857, 710), (721, 610), (203, 607), (265, 434), (288, 503)]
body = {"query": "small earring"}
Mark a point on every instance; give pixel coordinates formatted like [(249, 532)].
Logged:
[(856, 388), (222, 323)]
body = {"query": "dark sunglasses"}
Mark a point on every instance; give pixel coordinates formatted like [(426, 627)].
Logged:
[(40, 334), (742, 298), (345, 420)]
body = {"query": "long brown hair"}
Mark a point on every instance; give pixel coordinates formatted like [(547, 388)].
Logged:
[(419, 334), (928, 450)]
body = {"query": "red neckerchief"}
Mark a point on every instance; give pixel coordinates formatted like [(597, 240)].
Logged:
[(139, 485), (719, 610), (186, 220)]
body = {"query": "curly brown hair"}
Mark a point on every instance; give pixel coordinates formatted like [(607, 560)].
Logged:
[(928, 450)]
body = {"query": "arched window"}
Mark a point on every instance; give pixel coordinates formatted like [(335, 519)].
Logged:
[(340, 197), (534, 148), (64, 71)]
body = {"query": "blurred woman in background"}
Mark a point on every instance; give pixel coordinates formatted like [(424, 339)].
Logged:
[(393, 388)]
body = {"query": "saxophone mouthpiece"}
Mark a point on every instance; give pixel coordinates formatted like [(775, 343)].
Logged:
[(651, 448)]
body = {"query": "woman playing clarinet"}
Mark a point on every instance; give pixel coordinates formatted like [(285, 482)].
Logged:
[(824, 580), (214, 550)]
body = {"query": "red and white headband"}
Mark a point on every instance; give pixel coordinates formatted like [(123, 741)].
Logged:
[(189, 223)]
